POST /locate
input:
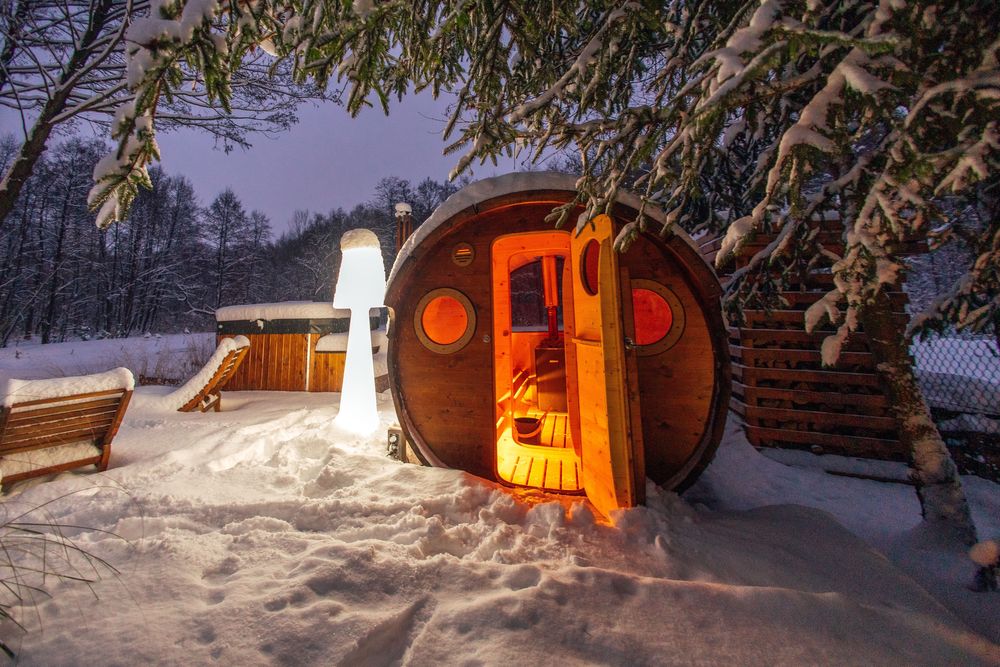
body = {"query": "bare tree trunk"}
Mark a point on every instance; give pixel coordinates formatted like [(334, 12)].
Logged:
[(49, 321), (939, 487)]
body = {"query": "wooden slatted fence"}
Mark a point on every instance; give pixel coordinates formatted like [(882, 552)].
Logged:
[(782, 391)]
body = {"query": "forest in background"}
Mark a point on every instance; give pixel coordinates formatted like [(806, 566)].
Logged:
[(174, 260)]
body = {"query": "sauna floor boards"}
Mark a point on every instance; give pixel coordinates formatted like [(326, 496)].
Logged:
[(552, 464), (555, 431)]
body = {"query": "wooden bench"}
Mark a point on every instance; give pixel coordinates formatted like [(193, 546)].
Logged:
[(49, 426), (220, 367)]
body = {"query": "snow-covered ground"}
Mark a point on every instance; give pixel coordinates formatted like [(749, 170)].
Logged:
[(264, 535), (174, 357)]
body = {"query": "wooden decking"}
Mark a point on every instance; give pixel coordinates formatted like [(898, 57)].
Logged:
[(552, 464), (555, 431)]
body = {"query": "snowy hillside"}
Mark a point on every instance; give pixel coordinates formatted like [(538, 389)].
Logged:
[(263, 535), (173, 357)]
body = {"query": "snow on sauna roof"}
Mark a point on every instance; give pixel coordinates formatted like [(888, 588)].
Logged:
[(489, 188), (285, 310)]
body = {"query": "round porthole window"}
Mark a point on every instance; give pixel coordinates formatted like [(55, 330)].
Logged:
[(658, 315), (590, 260), (445, 320)]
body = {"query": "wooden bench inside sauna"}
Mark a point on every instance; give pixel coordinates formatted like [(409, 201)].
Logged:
[(543, 358), (294, 345)]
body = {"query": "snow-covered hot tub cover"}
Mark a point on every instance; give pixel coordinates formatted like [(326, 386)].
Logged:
[(284, 318), (285, 310)]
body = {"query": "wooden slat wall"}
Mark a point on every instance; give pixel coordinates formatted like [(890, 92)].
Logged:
[(277, 362), (326, 372), (781, 390)]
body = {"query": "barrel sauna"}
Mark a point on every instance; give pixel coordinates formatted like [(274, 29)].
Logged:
[(542, 358)]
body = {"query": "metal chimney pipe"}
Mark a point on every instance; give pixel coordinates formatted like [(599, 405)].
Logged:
[(404, 223)]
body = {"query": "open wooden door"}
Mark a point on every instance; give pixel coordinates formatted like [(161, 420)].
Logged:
[(598, 377)]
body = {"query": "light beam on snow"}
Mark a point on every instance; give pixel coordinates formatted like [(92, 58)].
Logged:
[(360, 287)]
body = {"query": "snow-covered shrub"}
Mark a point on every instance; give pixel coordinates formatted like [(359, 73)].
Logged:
[(986, 555)]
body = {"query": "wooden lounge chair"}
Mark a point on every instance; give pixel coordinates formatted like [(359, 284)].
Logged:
[(216, 373), (48, 426)]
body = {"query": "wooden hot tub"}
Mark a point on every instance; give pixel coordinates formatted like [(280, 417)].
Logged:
[(294, 345)]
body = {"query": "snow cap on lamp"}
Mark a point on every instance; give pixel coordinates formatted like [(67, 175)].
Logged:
[(361, 283)]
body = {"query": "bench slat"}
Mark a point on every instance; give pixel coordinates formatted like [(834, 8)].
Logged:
[(62, 467), (61, 438), (45, 421), (74, 397), (96, 422), (104, 404)]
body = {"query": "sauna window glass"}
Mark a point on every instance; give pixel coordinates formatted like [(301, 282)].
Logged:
[(658, 316), (527, 296), (590, 266), (445, 320)]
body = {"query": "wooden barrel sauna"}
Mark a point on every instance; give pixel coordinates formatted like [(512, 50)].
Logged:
[(542, 358), (294, 345)]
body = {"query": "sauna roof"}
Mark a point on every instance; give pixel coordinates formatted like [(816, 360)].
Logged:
[(489, 188), (286, 310)]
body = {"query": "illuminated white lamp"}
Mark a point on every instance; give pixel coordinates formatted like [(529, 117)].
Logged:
[(360, 287)]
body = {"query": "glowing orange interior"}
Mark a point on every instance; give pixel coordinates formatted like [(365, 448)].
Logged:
[(653, 316), (535, 445), (444, 320)]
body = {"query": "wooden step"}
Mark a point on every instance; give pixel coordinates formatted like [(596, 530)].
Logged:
[(825, 234), (711, 245), (804, 299)]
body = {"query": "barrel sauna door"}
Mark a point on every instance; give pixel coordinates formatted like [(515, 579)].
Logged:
[(597, 370)]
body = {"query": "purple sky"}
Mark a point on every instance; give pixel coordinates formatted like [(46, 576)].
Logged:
[(327, 160)]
